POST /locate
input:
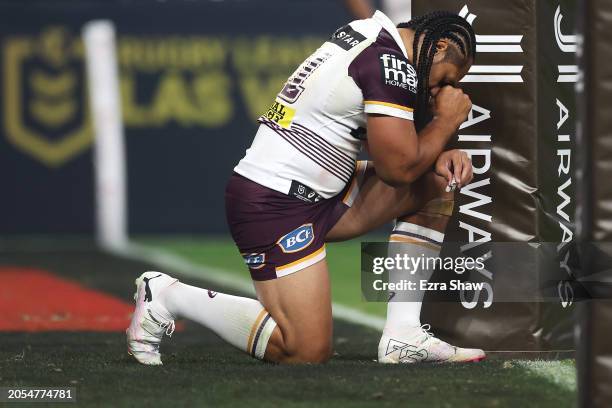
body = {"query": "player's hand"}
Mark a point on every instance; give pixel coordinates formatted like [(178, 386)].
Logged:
[(455, 165), (451, 105)]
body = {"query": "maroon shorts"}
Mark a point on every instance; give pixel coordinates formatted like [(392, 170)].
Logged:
[(278, 234)]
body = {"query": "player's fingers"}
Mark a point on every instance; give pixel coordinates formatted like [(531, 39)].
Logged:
[(443, 168), (457, 169), (468, 171), (449, 172)]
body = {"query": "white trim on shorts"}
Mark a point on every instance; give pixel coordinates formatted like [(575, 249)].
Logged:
[(302, 263)]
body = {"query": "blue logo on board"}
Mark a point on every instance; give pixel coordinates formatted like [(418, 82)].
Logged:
[(297, 239)]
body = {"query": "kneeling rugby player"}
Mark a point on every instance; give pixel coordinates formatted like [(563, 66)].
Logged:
[(390, 89)]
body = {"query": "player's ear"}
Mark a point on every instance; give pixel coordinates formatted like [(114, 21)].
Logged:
[(441, 49)]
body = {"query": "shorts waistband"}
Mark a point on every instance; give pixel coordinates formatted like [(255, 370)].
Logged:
[(303, 192), (296, 190)]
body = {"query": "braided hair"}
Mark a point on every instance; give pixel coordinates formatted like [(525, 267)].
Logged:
[(434, 27)]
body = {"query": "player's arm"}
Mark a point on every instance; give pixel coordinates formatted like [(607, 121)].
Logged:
[(401, 155)]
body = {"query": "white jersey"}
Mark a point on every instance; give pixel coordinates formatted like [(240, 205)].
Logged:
[(313, 132)]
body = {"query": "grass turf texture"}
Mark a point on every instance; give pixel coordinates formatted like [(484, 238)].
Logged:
[(200, 370)]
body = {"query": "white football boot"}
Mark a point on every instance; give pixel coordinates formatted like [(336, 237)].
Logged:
[(419, 345), (151, 320)]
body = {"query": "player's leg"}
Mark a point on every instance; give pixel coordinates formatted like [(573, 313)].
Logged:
[(423, 209), (290, 323), (374, 203), (404, 339), (301, 305), (418, 234), (160, 299), (282, 241)]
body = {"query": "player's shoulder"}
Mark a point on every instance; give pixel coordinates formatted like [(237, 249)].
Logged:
[(385, 51), (385, 42), (387, 80), (356, 35), (383, 63)]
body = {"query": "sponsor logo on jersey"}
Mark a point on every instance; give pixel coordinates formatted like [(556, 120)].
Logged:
[(254, 261), (396, 71), (281, 114), (298, 239), (346, 38)]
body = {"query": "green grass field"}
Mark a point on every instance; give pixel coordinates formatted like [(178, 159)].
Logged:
[(200, 370)]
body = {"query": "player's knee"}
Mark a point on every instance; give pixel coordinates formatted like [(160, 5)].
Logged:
[(432, 186), (315, 352), (294, 346)]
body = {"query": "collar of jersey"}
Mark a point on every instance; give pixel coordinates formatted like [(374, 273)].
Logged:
[(388, 25)]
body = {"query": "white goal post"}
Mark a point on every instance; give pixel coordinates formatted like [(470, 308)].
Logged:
[(109, 150)]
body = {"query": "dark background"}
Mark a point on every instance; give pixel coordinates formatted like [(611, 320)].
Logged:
[(177, 169)]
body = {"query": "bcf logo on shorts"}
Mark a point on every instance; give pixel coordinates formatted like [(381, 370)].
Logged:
[(297, 239)]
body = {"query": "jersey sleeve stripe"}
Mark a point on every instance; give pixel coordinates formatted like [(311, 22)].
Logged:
[(391, 105), (387, 110)]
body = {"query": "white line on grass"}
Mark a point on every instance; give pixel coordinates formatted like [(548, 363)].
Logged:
[(168, 260)]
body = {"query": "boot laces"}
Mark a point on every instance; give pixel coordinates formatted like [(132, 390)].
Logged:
[(426, 328), (169, 326)]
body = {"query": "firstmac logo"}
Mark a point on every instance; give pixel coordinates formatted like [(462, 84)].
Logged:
[(298, 239), (398, 72)]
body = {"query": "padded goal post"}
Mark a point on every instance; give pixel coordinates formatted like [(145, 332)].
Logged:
[(594, 211), (519, 209)]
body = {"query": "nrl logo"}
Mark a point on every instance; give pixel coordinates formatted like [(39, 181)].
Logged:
[(45, 103)]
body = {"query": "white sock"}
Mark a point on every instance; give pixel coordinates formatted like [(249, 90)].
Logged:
[(242, 322), (404, 309)]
